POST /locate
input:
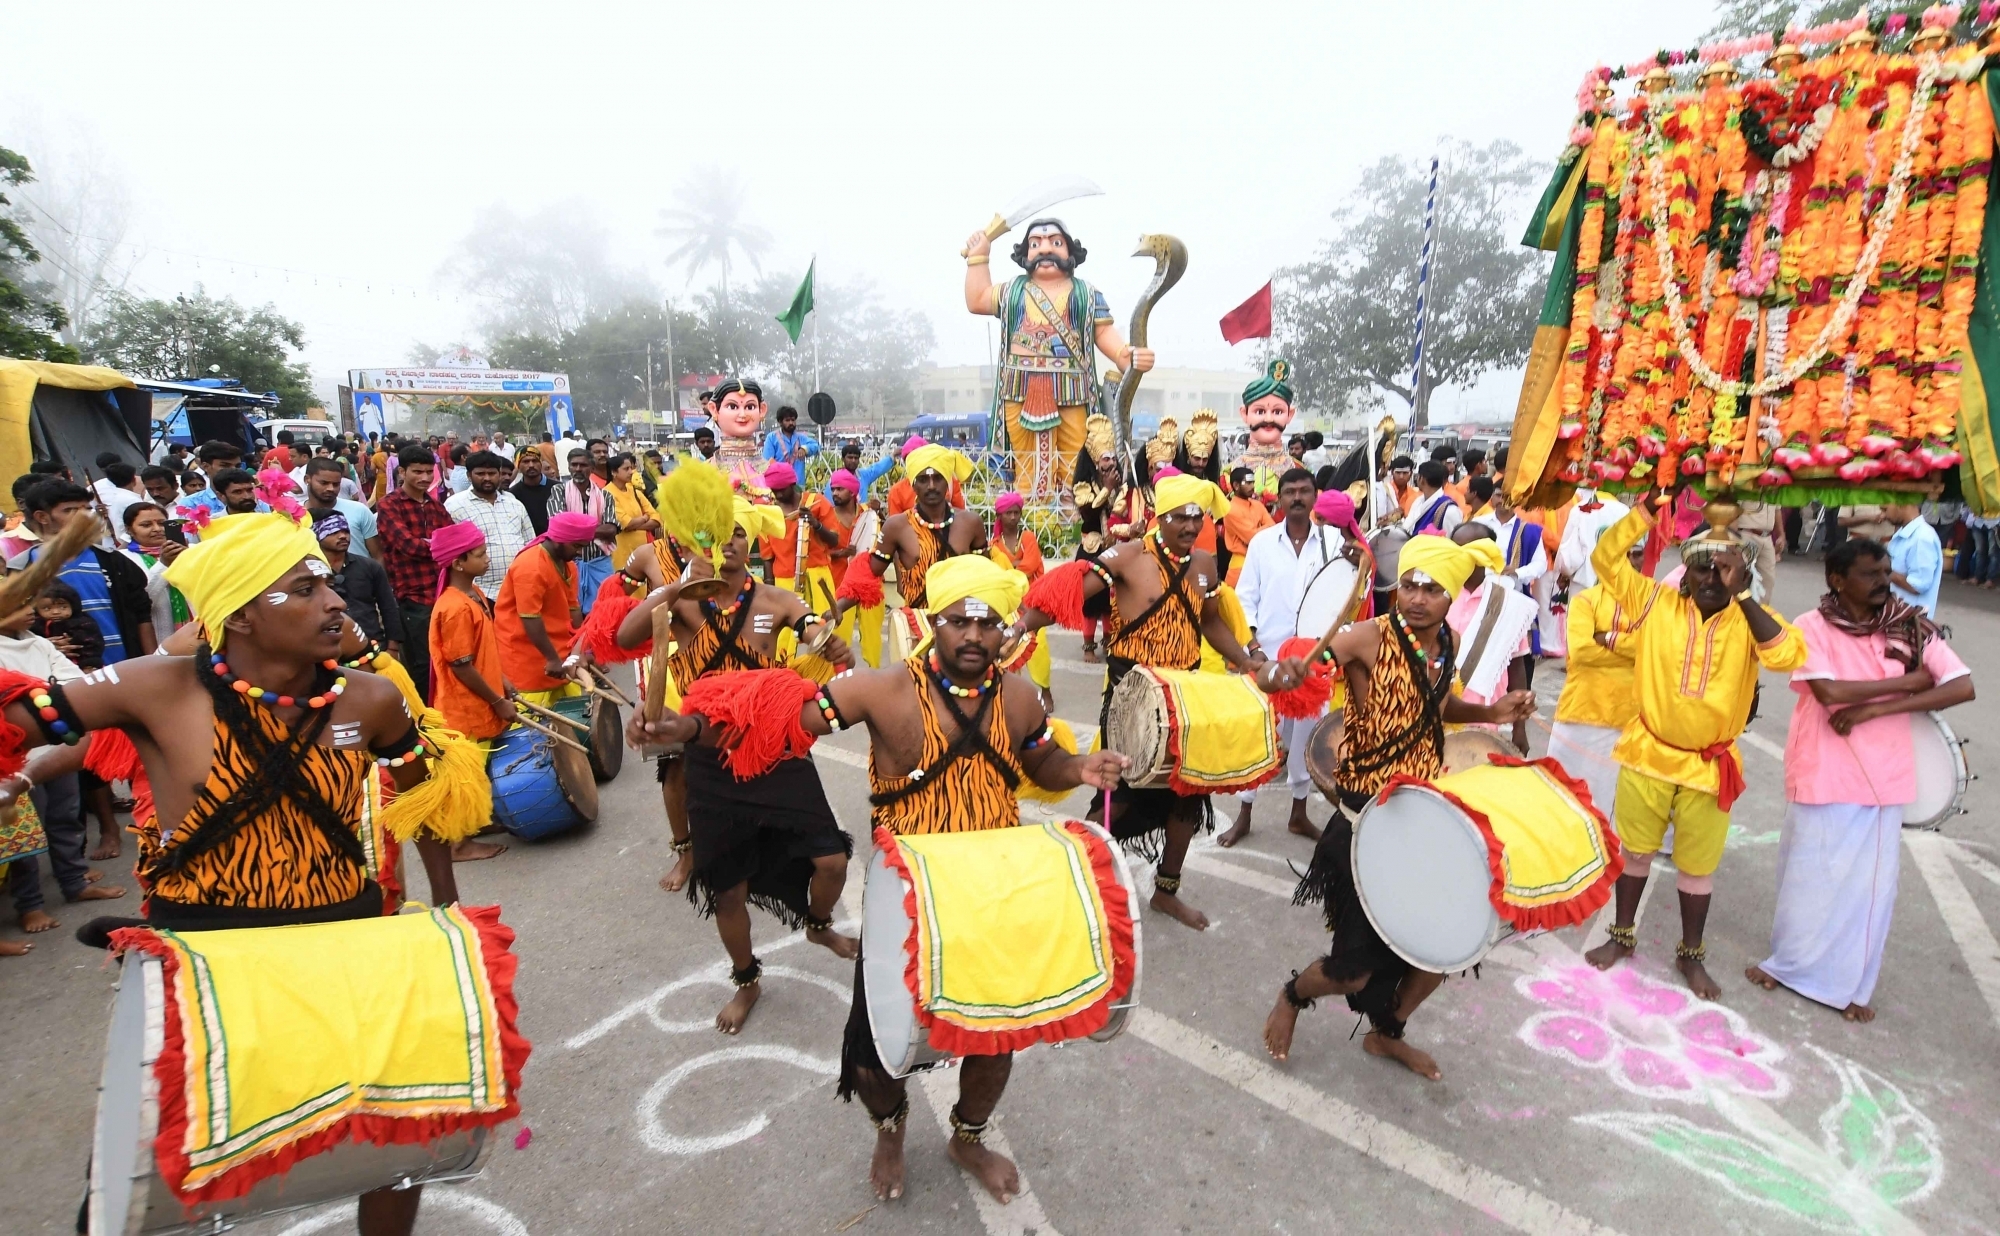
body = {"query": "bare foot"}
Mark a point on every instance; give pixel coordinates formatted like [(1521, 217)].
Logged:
[(885, 1172), (847, 948), (36, 921), (1756, 975), (1301, 824), (1858, 1012), (473, 851), (1278, 1028), (1607, 954), (98, 892), (108, 848), (1090, 654), (730, 1020), (677, 877), (994, 1171), (1697, 978), (1237, 831), (1396, 1049), (92, 877), (15, 948), (1173, 906)]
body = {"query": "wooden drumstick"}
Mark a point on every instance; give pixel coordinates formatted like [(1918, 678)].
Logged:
[(553, 736), (661, 667), (603, 686), (1346, 615), (552, 714)]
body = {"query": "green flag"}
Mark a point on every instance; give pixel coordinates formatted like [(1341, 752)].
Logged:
[(794, 319)]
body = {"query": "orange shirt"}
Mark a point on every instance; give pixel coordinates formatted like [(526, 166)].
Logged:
[(903, 497), (839, 565), (1029, 563), (783, 552), (1247, 517), (1205, 539), (462, 626), (534, 588), (1457, 492)]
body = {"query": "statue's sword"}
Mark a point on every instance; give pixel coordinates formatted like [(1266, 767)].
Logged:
[(1037, 198)]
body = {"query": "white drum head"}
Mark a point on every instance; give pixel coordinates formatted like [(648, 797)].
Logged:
[(892, 1015), (1325, 598), (1941, 772), (1420, 868), (121, 1163)]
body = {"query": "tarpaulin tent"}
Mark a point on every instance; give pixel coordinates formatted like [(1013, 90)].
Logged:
[(68, 413)]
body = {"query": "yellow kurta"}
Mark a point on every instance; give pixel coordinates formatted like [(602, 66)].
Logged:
[(628, 503), (1695, 678), (1600, 687)]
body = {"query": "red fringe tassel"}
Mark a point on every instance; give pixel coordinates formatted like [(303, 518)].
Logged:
[(599, 631), (111, 755), (1059, 594), (1309, 697), (959, 1041), (758, 714), (13, 753), (496, 949), (861, 584)]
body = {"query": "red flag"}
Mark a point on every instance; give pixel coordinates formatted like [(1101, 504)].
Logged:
[(1249, 320)]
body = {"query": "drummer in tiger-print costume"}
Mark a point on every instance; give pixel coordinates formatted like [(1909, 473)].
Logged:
[(769, 841), (1157, 596), (952, 742), (1399, 671), (918, 539), (259, 751)]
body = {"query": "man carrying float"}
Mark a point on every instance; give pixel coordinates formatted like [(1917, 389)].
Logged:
[(1052, 327)]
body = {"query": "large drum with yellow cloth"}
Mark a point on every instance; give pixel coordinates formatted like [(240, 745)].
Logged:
[(1449, 868), (979, 943), (257, 1071), (1195, 732)]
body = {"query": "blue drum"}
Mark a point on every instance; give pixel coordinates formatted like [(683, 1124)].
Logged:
[(536, 788)]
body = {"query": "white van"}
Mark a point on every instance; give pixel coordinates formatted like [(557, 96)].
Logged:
[(307, 434)]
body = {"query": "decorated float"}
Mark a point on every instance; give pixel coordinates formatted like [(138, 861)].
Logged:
[(1769, 272)]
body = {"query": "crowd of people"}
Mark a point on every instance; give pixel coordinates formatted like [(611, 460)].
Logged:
[(467, 573)]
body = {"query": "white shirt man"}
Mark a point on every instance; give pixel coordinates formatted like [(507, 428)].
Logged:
[(504, 521), (501, 446), (1593, 515), (1276, 570)]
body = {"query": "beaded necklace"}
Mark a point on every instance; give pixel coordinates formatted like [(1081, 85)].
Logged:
[(743, 594), (1179, 560), (952, 688), (272, 698), (1404, 627), (941, 527)]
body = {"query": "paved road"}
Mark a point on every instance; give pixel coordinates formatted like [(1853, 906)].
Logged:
[(1570, 1102)]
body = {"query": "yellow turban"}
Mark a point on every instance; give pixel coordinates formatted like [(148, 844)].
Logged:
[(977, 577), (759, 520), (1174, 492), (941, 459), (238, 557), (1447, 563)]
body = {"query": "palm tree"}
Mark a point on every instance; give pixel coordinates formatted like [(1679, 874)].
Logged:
[(708, 229)]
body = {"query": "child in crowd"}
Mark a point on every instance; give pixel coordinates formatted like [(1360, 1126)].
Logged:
[(59, 618), (59, 801)]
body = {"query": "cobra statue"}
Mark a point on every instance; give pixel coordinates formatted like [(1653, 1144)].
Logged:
[(1169, 264)]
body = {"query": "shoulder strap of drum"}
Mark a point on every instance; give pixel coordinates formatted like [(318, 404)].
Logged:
[(970, 741), (1174, 577), (726, 648)]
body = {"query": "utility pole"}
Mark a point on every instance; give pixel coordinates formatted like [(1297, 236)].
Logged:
[(673, 379)]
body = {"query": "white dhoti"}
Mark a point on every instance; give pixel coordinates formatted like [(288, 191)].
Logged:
[(1584, 751), (1293, 733), (1837, 869)]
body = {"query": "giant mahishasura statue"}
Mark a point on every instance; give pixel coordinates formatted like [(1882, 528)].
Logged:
[(1053, 325)]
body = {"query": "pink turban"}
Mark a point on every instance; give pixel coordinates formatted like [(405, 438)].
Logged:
[(779, 475), (452, 542), (1165, 470), (1336, 509), (914, 441), (569, 528), (1009, 501), (844, 479)]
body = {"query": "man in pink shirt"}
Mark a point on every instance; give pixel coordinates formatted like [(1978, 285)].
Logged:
[(1850, 769)]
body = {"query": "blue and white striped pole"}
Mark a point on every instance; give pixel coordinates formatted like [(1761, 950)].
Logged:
[(1423, 291)]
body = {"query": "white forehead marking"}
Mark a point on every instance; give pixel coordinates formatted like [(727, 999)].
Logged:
[(976, 608), (317, 567), (275, 598), (1418, 577)]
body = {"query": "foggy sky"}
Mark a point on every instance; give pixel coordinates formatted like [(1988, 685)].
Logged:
[(353, 144)]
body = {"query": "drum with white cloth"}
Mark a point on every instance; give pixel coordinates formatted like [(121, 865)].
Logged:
[(909, 630), (1426, 854), (138, 1186), (1387, 544), (1463, 749), (1329, 597), (1195, 732), (988, 903), (1942, 774)]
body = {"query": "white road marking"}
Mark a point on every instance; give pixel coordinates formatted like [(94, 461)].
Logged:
[(1968, 928), (648, 1004), (1076, 667), (436, 1197), (1761, 743), (656, 1136), (1021, 1217), (1496, 1196), (1979, 866), (1238, 875)]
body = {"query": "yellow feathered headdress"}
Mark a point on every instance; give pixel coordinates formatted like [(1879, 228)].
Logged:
[(698, 509)]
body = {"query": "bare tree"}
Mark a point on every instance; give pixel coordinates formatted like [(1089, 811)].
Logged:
[(541, 274), (79, 215)]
